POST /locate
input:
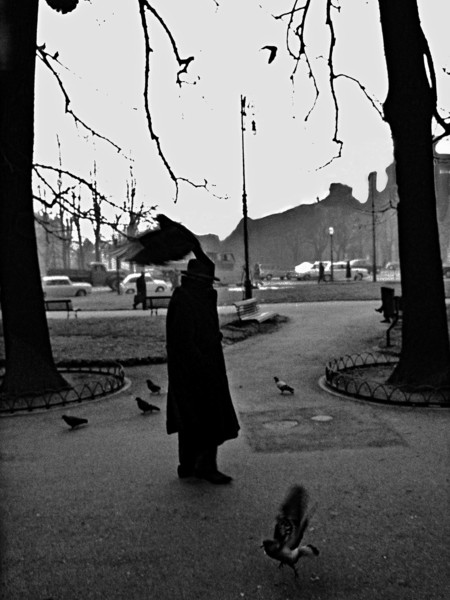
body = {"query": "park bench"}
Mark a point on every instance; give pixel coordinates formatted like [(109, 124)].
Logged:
[(248, 310), (156, 301), (61, 304), (392, 309)]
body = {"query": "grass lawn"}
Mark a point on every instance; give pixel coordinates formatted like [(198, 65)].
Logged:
[(114, 339), (269, 293), (131, 340)]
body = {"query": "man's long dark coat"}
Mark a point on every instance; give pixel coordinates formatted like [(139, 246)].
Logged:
[(198, 399)]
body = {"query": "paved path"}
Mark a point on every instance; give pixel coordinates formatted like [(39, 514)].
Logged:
[(99, 512)]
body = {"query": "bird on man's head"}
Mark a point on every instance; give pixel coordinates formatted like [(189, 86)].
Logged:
[(290, 526), (167, 242), (283, 386), (74, 421)]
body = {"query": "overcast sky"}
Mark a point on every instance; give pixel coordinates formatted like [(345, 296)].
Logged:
[(101, 56)]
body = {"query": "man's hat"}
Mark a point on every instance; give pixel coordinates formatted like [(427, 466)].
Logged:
[(200, 270)]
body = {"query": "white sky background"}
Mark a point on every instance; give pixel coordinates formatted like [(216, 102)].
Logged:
[(101, 47)]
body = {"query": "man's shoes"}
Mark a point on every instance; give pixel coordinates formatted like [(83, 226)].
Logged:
[(215, 477), (185, 472)]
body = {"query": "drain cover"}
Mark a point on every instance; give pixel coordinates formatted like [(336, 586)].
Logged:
[(280, 425), (322, 418)]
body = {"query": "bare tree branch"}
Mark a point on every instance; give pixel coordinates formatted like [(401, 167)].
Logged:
[(184, 63), (298, 32), (296, 27), (153, 136), (45, 58), (375, 103), (330, 25), (59, 198)]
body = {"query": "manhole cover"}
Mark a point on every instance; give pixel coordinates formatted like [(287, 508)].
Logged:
[(279, 425), (322, 418)]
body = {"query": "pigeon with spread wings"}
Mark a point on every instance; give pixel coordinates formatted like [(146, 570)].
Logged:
[(169, 241), (291, 524)]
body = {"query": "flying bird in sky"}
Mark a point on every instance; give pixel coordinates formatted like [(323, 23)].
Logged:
[(153, 387), (283, 386), (290, 526), (272, 52), (167, 242), (74, 421), (145, 406)]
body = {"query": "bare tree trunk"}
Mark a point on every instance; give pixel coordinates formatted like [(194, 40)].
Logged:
[(409, 107), (29, 361)]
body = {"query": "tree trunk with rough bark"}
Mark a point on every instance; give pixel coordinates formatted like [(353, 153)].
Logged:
[(409, 108), (29, 362)]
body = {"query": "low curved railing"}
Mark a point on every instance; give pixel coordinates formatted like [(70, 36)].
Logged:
[(344, 376), (99, 378)]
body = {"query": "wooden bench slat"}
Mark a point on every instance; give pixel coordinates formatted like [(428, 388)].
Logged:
[(154, 302)]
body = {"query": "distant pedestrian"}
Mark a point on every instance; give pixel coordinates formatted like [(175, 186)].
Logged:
[(256, 273), (199, 405), (141, 292), (348, 270), (321, 272)]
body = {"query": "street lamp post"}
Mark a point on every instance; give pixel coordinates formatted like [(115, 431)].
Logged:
[(372, 188), (247, 282), (331, 232)]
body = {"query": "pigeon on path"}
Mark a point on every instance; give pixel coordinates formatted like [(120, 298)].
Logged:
[(145, 406), (155, 389), (74, 421), (291, 524), (283, 386)]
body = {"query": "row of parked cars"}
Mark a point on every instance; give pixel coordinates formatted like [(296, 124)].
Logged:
[(61, 286), (307, 271), (360, 268)]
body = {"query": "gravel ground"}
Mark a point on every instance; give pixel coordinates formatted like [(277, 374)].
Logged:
[(98, 512)]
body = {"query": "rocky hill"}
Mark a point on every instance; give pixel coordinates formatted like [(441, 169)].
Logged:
[(302, 233)]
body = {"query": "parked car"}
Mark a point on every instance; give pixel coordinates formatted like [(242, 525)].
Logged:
[(340, 271), (269, 272), (312, 272), (364, 264), (60, 286), (446, 270), (154, 286), (301, 271), (292, 274)]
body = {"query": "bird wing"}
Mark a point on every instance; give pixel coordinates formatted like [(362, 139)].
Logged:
[(273, 52), (292, 519), (160, 245)]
